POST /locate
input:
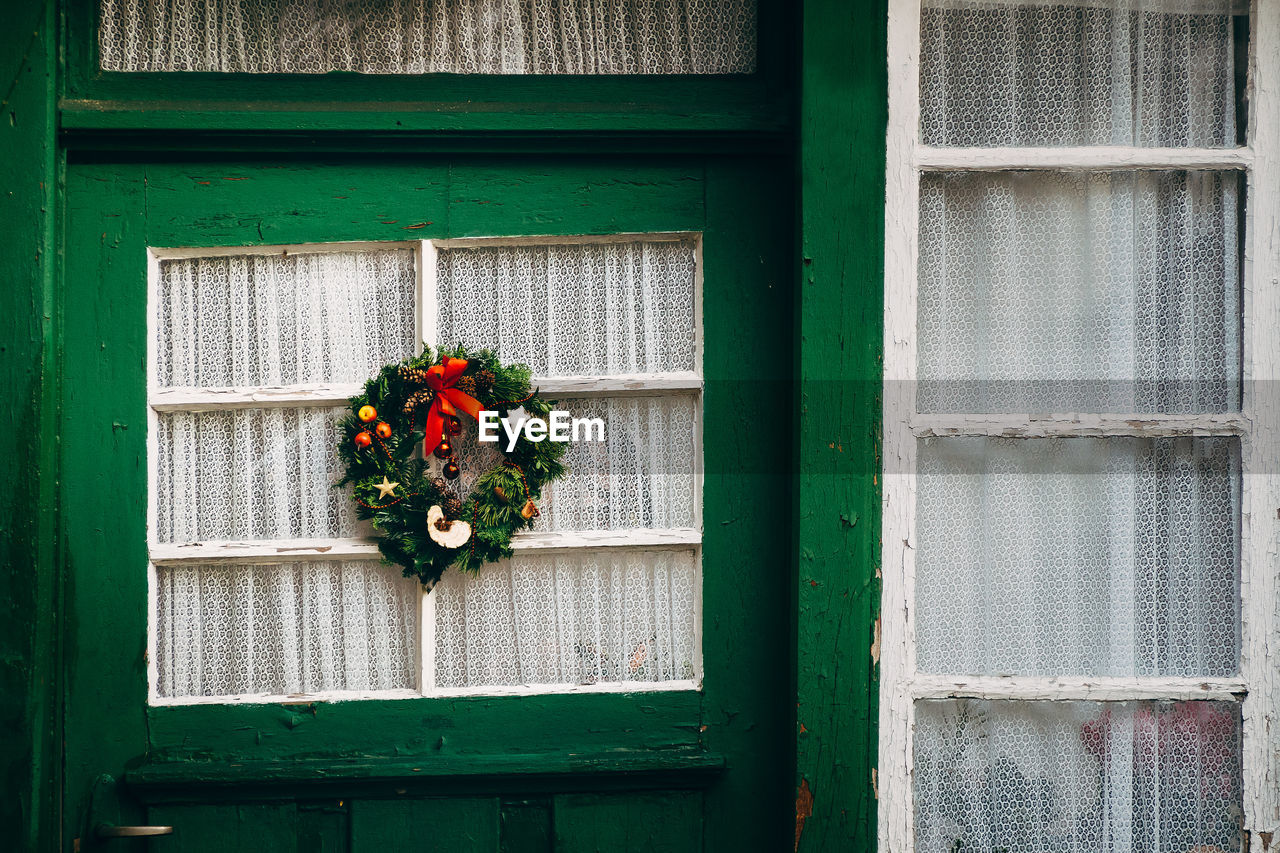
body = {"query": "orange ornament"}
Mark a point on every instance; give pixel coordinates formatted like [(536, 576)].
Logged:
[(367, 413), (383, 430), (364, 439)]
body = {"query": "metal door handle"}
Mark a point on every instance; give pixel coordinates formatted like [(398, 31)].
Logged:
[(106, 830)]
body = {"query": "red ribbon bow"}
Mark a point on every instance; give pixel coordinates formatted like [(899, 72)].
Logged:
[(447, 400)]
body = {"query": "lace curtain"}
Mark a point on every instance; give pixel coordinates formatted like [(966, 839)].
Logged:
[(1079, 72), (639, 478), (619, 616), (1079, 556), (283, 457), (245, 474), (430, 36), (285, 628), (1079, 292), (594, 309), (283, 319), (267, 473), (1077, 777), (589, 309)]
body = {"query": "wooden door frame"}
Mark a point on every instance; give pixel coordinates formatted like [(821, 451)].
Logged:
[(30, 630)]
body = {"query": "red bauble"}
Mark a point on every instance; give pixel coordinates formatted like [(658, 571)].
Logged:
[(444, 449), (383, 430), (363, 439), (451, 471), (454, 426)]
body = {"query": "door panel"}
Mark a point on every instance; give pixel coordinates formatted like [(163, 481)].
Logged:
[(526, 826), (455, 823), (226, 828), (467, 765), (666, 822)]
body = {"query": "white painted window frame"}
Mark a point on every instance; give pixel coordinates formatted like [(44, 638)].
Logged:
[(180, 399), (1257, 687)]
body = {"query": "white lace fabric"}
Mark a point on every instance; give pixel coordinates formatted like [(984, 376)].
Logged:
[(262, 320), (429, 36), (1099, 292), (285, 628), (589, 309), (638, 478), (250, 474), (1104, 72), (617, 615), (570, 619), (1078, 556), (1079, 292), (1065, 777)]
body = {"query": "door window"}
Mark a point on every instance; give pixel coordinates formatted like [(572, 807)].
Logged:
[(1077, 575), (429, 36), (264, 584)]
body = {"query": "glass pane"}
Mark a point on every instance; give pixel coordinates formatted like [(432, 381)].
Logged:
[(575, 310), (600, 616), (1065, 777), (285, 628), (1079, 292), (1102, 72), (283, 319), (1115, 556), (642, 476), (250, 474), (430, 36)]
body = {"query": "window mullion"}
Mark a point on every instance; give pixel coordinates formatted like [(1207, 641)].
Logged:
[(1093, 688), (175, 399), (319, 549), (1075, 425), (1090, 158)]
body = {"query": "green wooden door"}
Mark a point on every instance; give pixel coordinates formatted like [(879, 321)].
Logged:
[(680, 770)]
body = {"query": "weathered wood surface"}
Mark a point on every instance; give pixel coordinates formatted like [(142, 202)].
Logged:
[(842, 155), (317, 394), (115, 210), (602, 110), (295, 550), (29, 775)]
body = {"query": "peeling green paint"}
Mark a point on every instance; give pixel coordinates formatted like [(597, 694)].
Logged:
[(29, 749), (844, 96), (731, 742)]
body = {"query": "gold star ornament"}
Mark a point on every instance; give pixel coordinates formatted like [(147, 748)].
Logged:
[(386, 488)]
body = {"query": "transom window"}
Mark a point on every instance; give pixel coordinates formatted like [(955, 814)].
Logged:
[(264, 583), (1079, 570), (429, 36)]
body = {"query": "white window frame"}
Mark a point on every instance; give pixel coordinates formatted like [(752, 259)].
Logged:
[(273, 551), (1257, 687)]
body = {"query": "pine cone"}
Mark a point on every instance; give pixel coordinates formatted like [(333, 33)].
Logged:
[(441, 485), (452, 506), (485, 380), (466, 384), (413, 375), (416, 399)]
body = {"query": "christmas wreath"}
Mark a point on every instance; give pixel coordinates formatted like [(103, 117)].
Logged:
[(425, 525)]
